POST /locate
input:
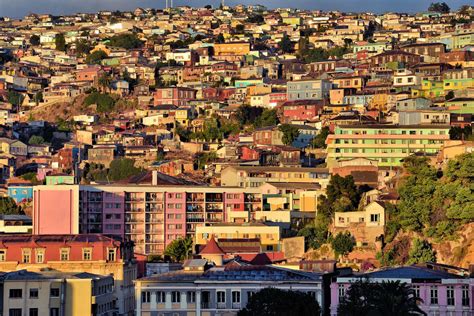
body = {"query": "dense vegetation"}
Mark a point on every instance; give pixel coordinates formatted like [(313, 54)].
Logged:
[(127, 41), (179, 249), (272, 302), (8, 206), (105, 103), (385, 298), (119, 169)]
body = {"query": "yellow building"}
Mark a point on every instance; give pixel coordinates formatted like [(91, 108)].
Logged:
[(232, 48), (57, 293), (379, 101), (269, 235)]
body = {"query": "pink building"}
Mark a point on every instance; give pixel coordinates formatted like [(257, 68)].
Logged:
[(178, 96), (443, 290), (151, 216)]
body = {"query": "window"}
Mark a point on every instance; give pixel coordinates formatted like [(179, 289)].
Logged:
[(374, 218), (64, 254), (249, 295), (465, 295), (14, 312), (434, 295), (342, 291), (175, 297), (3, 255), (191, 297), (26, 255), (111, 254), (86, 254), (54, 311), (220, 296), (33, 293), (160, 297), (450, 295), (54, 292), (146, 297), (236, 297), (33, 312), (416, 288), (39, 255), (16, 293)]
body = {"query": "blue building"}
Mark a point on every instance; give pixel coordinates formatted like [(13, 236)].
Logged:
[(20, 193)]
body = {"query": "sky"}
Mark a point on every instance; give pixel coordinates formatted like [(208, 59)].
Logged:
[(19, 8)]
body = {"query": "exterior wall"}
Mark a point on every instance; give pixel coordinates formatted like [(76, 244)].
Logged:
[(386, 144), (20, 193), (211, 307), (308, 90), (59, 211)]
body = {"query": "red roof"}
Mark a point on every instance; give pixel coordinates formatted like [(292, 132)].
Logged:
[(212, 248)]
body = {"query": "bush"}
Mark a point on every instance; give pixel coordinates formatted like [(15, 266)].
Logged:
[(105, 103)]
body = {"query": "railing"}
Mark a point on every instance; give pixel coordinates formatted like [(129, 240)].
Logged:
[(205, 305)]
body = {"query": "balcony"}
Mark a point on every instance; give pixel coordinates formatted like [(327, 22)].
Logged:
[(221, 306), (235, 305), (205, 305), (134, 210)]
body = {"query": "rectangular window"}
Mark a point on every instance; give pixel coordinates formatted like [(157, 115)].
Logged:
[(86, 254), (236, 297), (416, 288), (26, 255), (16, 293), (450, 295), (64, 254), (39, 255), (146, 297), (175, 297), (54, 292), (111, 255), (434, 295), (33, 312), (3, 255), (54, 311), (33, 293), (374, 218), (220, 296), (191, 297), (341, 291), (465, 295), (160, 297), (15, 312)]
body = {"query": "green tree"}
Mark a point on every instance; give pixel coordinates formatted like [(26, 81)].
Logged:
[(440, 7), (104, 82), (269, 117), (127, 41), (421, 252), (36, 140), (272, 302), (8, 206), (15, 98), (105, 103), (314, 235), (285, 45), (343, 243), (220, 39), (179, 249), (247, 114), (449, 95), (290, 133), (96, 57), (122, 168), (35, 40), (319, 141), (60, 42), (83, 48)]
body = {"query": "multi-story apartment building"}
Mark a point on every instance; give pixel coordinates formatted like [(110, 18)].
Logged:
[(89, 254), (441, 292), (57, 293), (151, 216), (217, 291), (255, 176), (308, 89), (387, 144)]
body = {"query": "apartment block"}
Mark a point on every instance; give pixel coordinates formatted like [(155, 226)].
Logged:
[(151, 216), (387, 144)]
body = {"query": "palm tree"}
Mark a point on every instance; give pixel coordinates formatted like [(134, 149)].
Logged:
[(391, 298)]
